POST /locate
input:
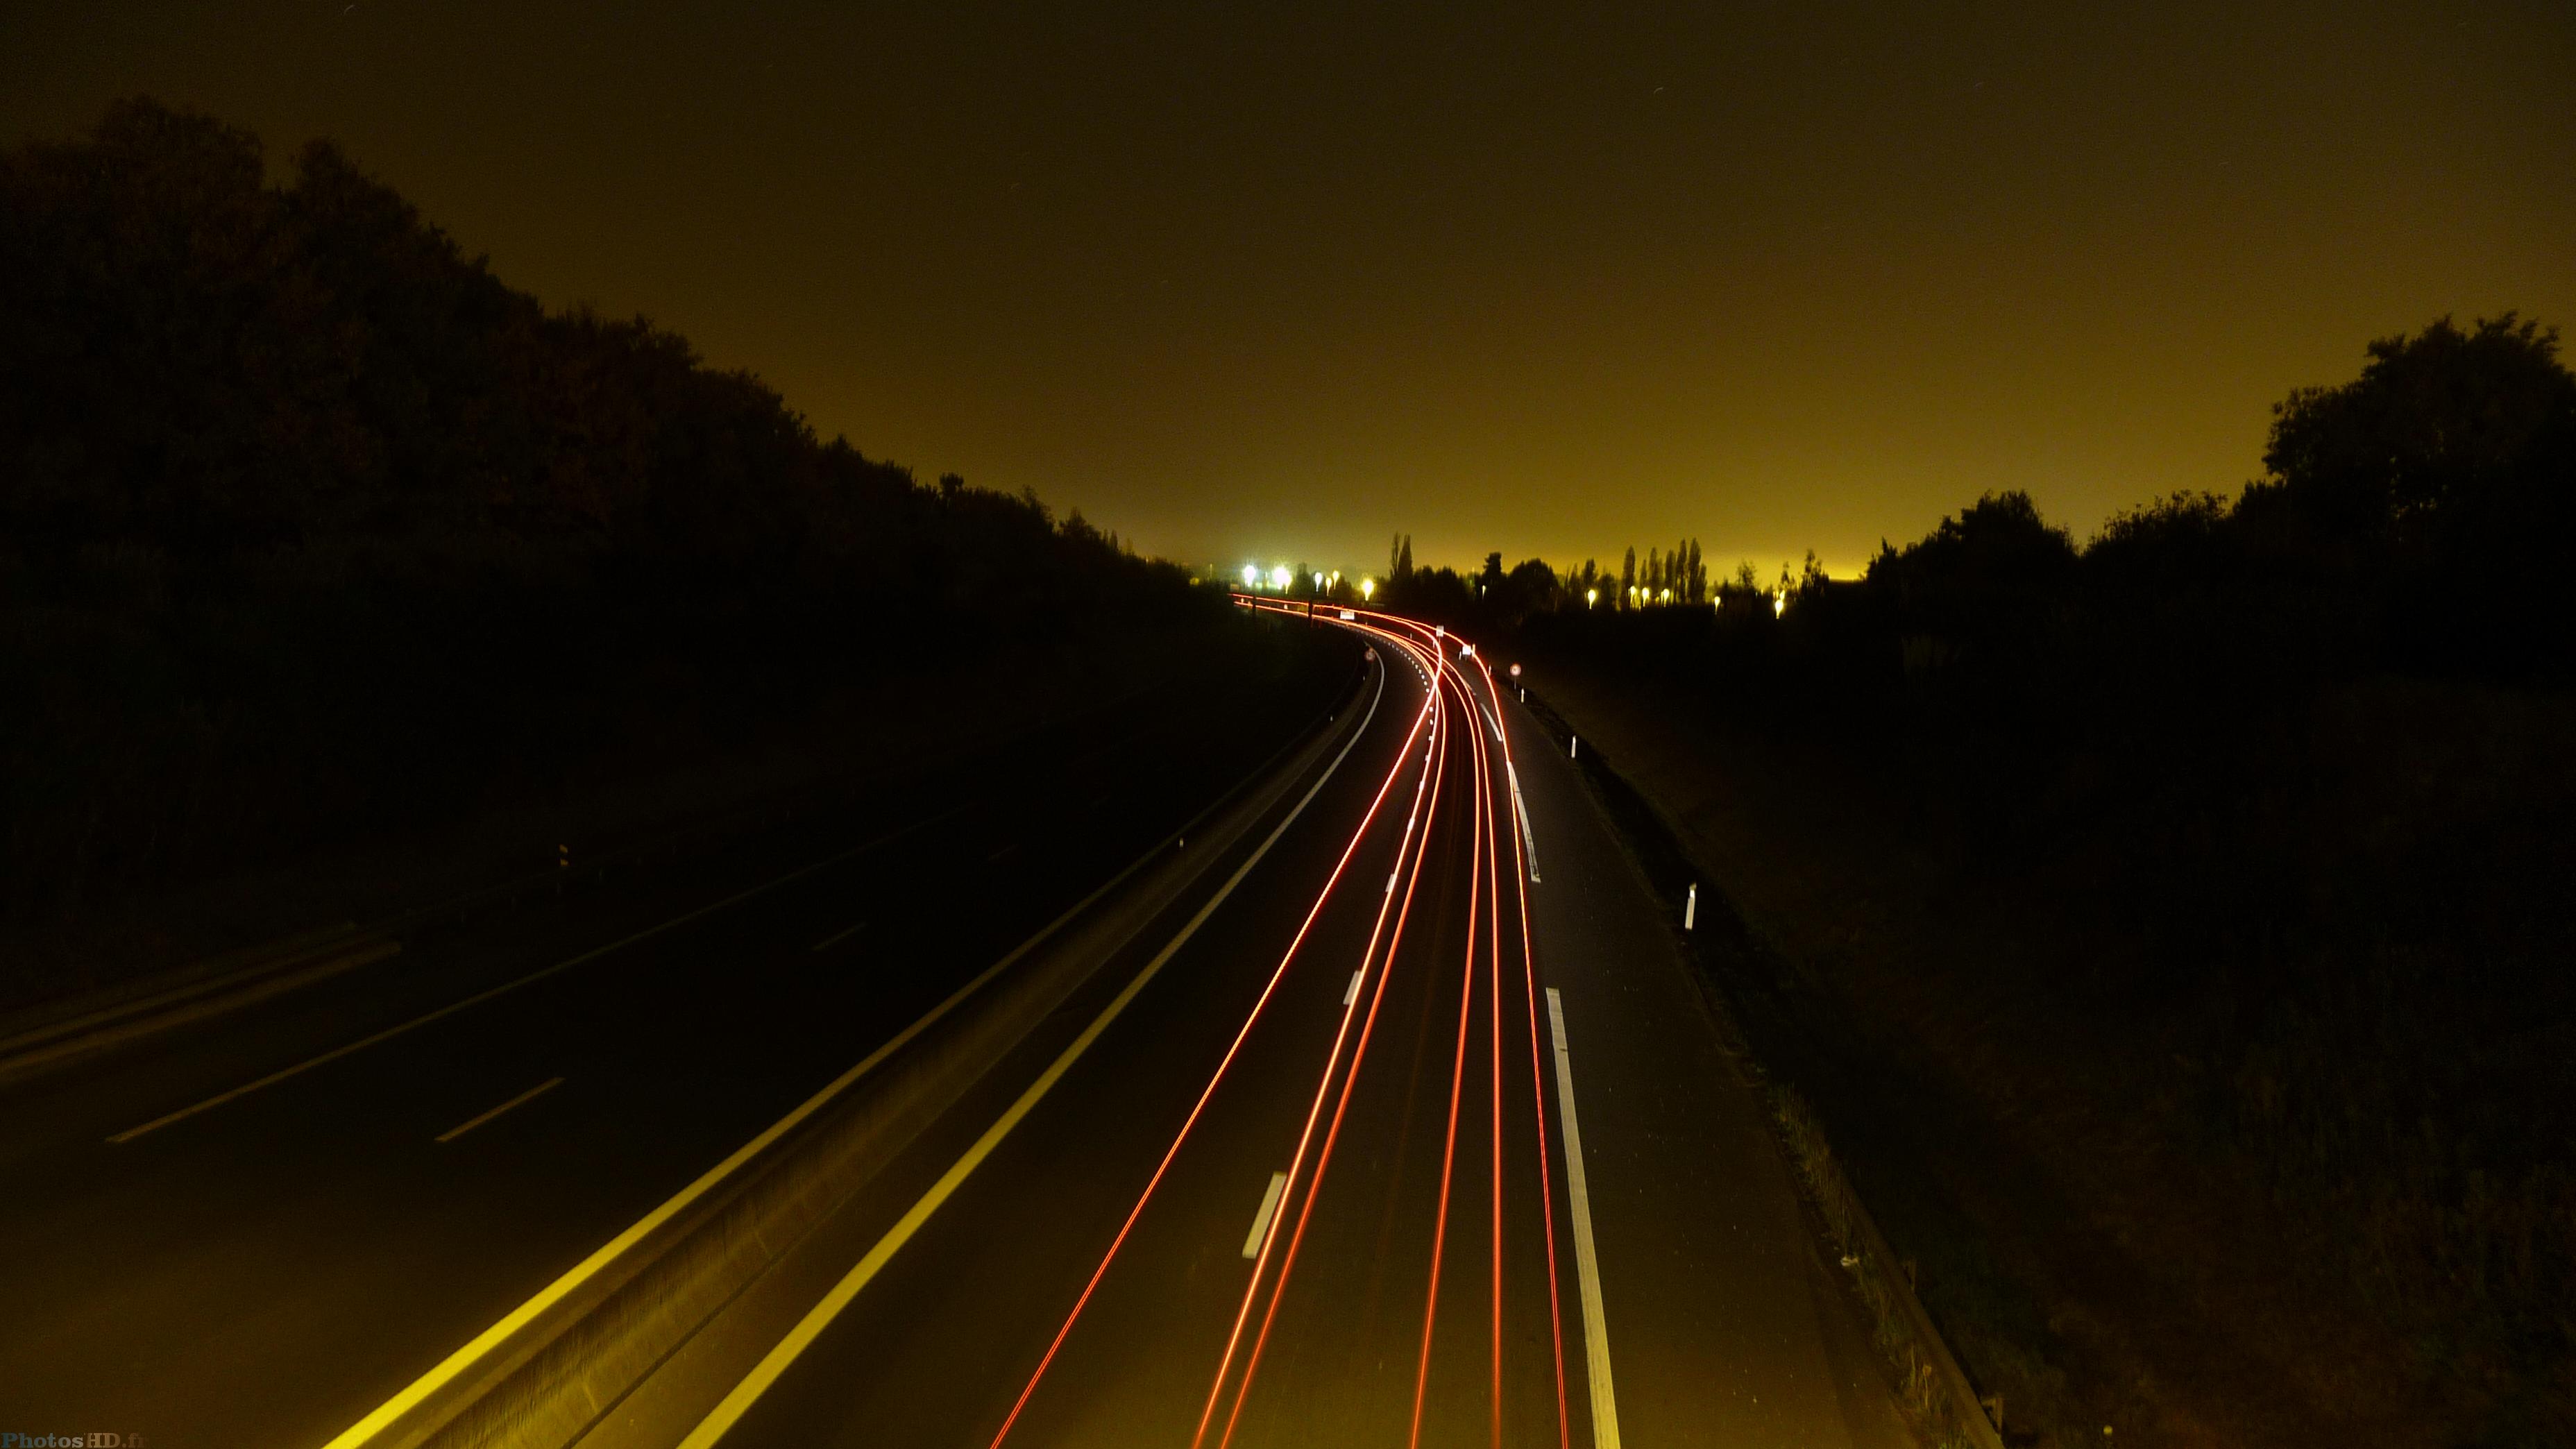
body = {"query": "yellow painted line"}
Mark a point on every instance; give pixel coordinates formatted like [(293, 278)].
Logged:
[(390, 1413), (530, 1095), (506, 987), (723, 1417)]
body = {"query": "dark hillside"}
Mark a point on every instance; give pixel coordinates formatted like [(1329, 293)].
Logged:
[(2219, 863), (310, 526)]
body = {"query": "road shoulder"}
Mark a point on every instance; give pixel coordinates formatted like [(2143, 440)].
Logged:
[(1725, 1324)]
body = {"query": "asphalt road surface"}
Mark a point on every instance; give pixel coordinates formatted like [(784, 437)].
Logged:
[(1407, 1124)]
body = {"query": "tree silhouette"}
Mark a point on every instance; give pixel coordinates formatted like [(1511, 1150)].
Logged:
[(2442, 421), (307, 520)]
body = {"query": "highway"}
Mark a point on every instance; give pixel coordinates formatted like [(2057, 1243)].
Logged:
[(1400, 1121)]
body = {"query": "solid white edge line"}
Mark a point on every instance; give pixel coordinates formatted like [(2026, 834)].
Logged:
[(837, 937), (786, 1351), (1261, 1219), (1596, 1332), (530, 1095), (1529, 837)]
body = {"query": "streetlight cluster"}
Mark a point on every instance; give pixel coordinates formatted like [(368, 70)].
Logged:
[(1279, 576)]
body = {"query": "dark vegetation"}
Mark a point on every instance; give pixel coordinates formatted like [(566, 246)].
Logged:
[(310, 527), (2286, 784)]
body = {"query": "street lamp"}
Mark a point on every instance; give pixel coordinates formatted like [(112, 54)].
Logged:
[(1367, 588), (1252, 576), (1279, 576), (1591, 597)]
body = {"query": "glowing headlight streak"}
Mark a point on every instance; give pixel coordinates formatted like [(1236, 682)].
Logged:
[(1452, 689), (1547, 1188), (1443, 688), (1494, 1091), (1457, 1093), (1538, 1098), (1449, 682), (1426, 814), (1394, 772)]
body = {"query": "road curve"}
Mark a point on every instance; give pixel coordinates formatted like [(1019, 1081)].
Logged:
[(1308, 1181), (1406, 1124)]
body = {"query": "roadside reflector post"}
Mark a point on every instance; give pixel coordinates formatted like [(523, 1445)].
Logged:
[(1690, 908), (1573, 746)]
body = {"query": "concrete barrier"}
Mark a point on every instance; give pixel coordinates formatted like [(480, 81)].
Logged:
[(545, 1374)]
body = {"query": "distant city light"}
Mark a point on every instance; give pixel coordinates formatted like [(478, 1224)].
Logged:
[(1279, 577), (1252, 576)]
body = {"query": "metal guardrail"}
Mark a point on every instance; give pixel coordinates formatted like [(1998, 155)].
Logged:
[(542, 1376), (1930, 1363)]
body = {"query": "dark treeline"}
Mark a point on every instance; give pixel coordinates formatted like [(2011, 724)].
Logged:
[(2295, 772), (307, 519), (1663, 579)]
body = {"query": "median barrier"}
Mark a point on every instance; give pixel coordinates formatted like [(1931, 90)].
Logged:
[(551, 1370)]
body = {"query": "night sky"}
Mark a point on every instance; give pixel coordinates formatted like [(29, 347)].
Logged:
[(1262, 281)]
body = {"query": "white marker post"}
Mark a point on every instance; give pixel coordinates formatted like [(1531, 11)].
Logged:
[(1573, 746), (1690, 909)]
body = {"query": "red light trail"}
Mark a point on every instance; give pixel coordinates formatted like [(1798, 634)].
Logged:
[(1450, 701)]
